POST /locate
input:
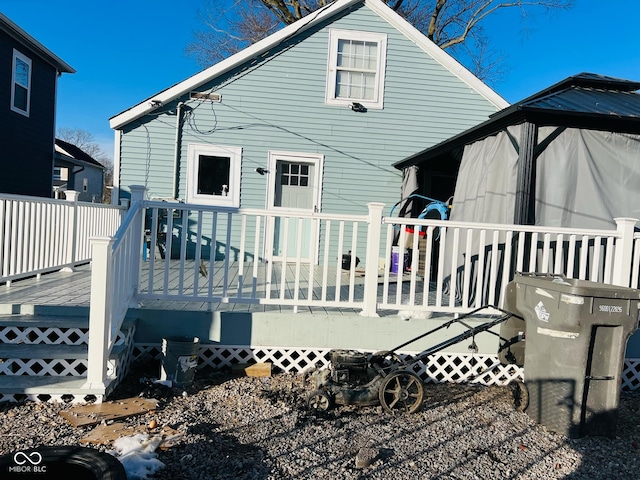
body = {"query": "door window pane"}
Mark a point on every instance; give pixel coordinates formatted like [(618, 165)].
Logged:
[(294, 174)]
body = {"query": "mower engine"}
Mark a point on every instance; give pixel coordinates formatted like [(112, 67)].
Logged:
[(349, 380)]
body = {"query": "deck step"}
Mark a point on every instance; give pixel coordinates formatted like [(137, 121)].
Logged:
[(42, 350), (45, 357), (59, 321), (41, 385), (34, 321)]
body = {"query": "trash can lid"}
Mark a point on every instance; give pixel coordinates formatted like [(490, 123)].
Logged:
[(573, 286)]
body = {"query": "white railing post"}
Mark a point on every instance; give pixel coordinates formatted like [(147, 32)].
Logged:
[(374, 229), (100, 312), (137, 197), (624, 251), (72, 196)]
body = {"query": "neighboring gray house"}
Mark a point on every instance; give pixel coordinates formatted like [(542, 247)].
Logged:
[(76, 170), (311, 118)]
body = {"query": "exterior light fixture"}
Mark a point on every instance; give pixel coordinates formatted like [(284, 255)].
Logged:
[(358, 107)]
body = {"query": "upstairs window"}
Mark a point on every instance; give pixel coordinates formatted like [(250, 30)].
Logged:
[(21, 84), (355, 70), (213, 175)]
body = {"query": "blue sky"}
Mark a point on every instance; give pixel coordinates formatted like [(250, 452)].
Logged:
[(125, 52)]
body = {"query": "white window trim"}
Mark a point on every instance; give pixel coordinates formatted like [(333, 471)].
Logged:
[(235, 156), (27, 60), (295, 157), (330, 94)]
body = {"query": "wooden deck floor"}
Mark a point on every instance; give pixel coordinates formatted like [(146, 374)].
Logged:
[(72, 289)]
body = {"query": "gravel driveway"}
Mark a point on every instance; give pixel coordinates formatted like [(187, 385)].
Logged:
[(260, 428)]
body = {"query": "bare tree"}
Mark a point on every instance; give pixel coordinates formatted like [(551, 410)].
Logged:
[(456, 25), (86, 142)]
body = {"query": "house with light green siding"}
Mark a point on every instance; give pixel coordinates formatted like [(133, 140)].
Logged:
[(310, 119)]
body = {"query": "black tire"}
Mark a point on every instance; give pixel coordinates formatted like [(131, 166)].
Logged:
[(77, 463)]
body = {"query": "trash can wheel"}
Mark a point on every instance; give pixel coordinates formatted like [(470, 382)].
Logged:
[(520, 394)]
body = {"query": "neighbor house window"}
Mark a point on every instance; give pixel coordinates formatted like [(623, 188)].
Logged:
[(213, 175), (355, 70), (21, 84)]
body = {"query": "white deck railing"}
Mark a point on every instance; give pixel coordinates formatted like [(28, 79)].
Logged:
[(225, 255), (469, 265), (247, 256), (218, 255), (39, 235)]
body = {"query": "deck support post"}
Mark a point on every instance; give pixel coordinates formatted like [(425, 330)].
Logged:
[(371, 264), (137, 201), (100, 314), (624, 251)]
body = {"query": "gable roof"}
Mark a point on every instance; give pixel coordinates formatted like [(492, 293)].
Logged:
[(75, 153), (323, 14), (585, 100), (23, 37)]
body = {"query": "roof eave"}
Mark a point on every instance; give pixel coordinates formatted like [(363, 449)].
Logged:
[(229, 63), (518, 114), (438, 54), (502, 120), (19, 34), (76, 161)]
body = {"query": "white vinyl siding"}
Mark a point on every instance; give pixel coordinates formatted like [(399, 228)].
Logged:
[(21, 83), (356, 68), (214, 175)]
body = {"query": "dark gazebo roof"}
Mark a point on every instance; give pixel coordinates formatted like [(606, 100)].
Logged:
[(586, 100)]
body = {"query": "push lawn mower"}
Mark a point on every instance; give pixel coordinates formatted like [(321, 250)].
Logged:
[(384, 378)]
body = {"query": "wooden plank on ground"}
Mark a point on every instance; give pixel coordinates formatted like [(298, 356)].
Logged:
[(95, 413), (106, 434), (252, 370)]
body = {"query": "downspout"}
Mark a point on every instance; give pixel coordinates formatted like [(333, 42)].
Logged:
[(73, 174), (176, 157)]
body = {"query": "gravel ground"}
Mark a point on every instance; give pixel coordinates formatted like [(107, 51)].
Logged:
[(260, 428)]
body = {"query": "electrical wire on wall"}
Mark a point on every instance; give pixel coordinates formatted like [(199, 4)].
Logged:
[(147, 168)]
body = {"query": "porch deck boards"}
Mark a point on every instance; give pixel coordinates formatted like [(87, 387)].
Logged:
[(72, 289), (250, 284)]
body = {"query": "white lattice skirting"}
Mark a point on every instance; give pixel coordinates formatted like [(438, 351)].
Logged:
[(440, 368)]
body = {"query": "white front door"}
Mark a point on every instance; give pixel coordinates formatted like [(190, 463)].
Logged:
[(294, 187)]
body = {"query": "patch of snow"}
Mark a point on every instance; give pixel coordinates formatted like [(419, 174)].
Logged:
[(137, 455)]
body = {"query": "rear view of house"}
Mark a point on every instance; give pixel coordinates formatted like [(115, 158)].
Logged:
[(308, 120), (28, 81)]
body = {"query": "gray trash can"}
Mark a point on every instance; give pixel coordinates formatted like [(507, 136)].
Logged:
[(179, 360), (576, 336)]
